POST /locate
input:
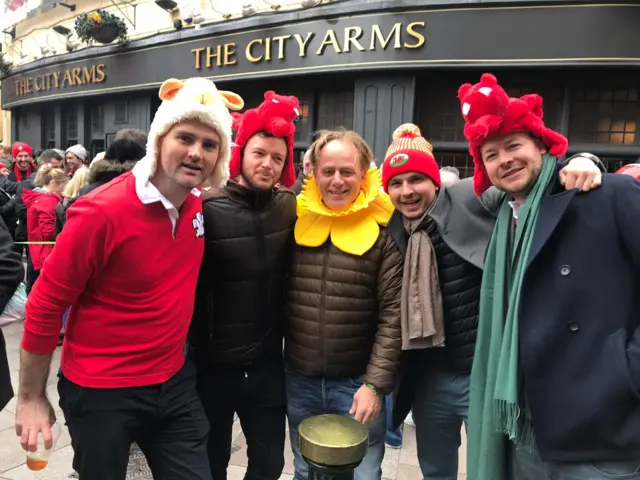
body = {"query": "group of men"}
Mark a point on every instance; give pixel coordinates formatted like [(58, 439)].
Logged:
[(513, 309)]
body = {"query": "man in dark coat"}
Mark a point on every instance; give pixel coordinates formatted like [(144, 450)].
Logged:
[(237, 330), (11, 274), (556, 374), (458, 225)]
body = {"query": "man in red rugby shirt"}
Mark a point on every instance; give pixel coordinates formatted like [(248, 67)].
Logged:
[(127, 262)]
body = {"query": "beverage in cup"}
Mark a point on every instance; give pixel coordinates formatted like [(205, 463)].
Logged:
[(40, 458)]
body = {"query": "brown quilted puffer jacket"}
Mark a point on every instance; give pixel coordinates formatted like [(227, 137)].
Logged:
[(343, 312)]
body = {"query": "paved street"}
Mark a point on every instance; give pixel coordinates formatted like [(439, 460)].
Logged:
[(398, 464)]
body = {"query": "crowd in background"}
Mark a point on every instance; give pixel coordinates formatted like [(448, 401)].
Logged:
[(38, 186)]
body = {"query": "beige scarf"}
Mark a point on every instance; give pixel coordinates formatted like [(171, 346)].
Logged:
[(421, 306)]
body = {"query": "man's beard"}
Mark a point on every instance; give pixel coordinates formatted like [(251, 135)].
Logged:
[(253, 186)]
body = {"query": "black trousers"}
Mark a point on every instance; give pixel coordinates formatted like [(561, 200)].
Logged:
[(166, 420), (257, 394)]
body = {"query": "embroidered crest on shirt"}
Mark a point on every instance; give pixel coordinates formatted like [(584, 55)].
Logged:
[(198, 224)]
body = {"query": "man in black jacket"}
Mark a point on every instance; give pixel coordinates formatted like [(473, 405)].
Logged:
[(11, 274), (236, 335), (443, 233)]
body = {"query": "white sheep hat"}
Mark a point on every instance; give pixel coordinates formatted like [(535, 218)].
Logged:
[(194, 99)]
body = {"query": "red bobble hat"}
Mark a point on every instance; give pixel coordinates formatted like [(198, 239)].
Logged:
[(632, 169), (20, 147), (490, 112), (409, 152), (276, 115)]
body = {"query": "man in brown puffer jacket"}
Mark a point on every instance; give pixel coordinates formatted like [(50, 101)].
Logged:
[(342, 341)]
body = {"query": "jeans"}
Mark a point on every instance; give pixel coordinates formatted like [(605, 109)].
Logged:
[(309, 396), (166, 421), (526, 465), (440, 406), (393, 437), (256, 393)]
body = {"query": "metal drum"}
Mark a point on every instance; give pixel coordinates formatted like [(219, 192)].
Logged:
[(333, 445)]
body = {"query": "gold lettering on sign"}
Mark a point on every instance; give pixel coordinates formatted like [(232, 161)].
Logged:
[(267, 49), (77, 80), (377, 35), (281, 40), (215, 55), (329, 39), (70, 78), (303, 44), (229, 52), (412, 33), (198, 53), (351, 36), (101, 75), (249, 52), (397, 36)]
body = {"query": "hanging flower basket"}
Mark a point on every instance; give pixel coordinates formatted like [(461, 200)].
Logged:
[(100, 26)]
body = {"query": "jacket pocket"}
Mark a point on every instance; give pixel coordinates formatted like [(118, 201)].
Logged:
[(617, 470)]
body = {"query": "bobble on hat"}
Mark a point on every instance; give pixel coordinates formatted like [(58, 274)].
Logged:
[(409, 152), (488, 111)]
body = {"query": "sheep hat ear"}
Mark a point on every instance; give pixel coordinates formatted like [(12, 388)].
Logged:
[(194, 99)]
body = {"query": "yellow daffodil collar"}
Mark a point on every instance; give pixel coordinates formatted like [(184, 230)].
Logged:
[(354, 229)]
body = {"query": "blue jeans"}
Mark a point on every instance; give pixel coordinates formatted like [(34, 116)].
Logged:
[(309, 396), (440, 406), (393, 437), (526, 465)]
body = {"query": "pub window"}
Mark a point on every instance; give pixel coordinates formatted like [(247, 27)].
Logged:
[(120, 112), (97, 118), (462, 161), (604, 116), (303, 125), (72, 124), (439, 115), (49, 128), (25, 121), (335, 109), (97, 146)]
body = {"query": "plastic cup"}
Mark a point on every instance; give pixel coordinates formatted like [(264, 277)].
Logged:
[(40, 458)]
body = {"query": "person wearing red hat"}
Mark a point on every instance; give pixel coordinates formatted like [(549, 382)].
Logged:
[(442, 232), (23, 164), (556, 369), (632, 169), (236, 334)]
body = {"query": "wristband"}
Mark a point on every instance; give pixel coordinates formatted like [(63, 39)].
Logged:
[(374, 389)]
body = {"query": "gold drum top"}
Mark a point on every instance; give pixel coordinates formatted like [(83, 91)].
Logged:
[(333, 440)]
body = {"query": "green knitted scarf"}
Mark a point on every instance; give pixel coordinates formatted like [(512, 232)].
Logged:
[(497, 407)]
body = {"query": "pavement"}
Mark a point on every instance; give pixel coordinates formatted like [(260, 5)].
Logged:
[(399, 464)]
